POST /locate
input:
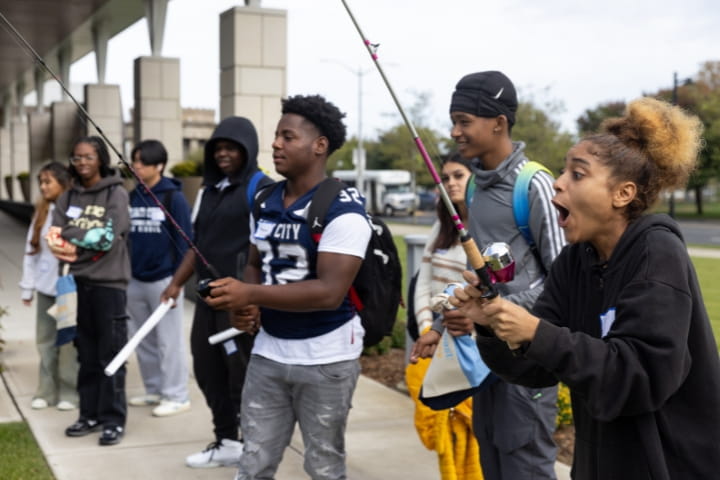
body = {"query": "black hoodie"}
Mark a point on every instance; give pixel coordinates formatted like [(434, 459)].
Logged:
[(632, 339), (222, 224)]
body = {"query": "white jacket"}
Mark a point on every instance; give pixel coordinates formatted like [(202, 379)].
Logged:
[(40, 271)]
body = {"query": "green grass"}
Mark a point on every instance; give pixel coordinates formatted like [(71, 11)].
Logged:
[(20, 456), (708, 271)]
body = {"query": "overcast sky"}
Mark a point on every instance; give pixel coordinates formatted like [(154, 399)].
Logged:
[(580, 53)]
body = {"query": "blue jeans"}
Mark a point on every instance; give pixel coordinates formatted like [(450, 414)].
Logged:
[(317, 397)]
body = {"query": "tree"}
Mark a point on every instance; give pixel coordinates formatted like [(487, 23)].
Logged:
[(545, 142), (589, 122), (701, 96)]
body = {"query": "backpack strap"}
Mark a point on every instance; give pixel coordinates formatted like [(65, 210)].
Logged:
[(261, 197), (252, 187), (326, 192), (521, 203)]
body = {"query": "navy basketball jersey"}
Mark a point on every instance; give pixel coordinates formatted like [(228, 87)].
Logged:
[(289, 254)]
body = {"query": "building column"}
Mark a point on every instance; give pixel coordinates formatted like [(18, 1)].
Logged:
[(19, 154), (5, 156), (65, 127), (103, 104), (156, 12), (64, 56), (101, 37), (157, 113), (253, 69), (40, 146)]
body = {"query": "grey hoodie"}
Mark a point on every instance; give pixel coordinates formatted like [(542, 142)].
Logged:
[(97, 220), (491, 220)]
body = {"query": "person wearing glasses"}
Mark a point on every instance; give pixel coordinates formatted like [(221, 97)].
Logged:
[(89, 231)]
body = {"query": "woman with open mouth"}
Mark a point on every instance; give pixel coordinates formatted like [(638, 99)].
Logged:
[(621, 320)]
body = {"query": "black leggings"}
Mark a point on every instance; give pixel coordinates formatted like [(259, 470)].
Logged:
[(219, 374)]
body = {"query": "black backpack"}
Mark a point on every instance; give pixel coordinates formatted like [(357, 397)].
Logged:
[(376, 290)]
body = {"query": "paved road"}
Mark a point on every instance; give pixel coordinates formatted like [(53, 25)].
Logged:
[(696, 232)]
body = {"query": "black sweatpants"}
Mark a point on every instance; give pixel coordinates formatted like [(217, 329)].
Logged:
[(101, 334), (219, 370)]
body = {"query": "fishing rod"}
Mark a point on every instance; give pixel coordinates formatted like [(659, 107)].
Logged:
[(476, 259), (20, 39)]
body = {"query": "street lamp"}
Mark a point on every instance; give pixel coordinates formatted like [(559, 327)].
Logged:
[(359, 153)]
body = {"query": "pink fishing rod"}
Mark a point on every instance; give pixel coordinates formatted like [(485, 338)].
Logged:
[(471, 250)]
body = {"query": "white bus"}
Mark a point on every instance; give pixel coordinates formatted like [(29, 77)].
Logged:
[(386, 192)]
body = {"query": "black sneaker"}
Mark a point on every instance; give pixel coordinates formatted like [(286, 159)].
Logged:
[(82, 427), (111, 435)]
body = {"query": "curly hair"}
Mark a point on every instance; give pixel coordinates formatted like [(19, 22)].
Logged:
[(102, 152), (654, 145), (326, 117)]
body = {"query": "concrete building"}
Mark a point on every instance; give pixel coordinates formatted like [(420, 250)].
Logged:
[(252, 78)]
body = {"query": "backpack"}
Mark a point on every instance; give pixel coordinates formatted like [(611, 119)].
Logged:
[(376, 291), (520, 202)]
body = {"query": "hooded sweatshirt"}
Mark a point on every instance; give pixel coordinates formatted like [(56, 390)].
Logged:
[(222, 224), (97, 220), (156, 247), (632, 339), (490, 219)]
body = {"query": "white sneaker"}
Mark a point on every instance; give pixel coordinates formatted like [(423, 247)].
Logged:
[(225, 453), (169, 407), (64, 405), (38, 403), (144, 400)]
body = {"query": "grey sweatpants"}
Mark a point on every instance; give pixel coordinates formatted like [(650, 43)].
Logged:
[(58, 370), (162, 353)]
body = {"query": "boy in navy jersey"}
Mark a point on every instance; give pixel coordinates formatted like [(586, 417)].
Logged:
[(304, 364)]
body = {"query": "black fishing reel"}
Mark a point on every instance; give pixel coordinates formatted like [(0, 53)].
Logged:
[(203, 287)]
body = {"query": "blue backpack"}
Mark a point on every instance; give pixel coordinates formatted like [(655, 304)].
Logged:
[(520, 202)]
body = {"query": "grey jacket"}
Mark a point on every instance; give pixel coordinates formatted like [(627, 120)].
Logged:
[(491, 219)]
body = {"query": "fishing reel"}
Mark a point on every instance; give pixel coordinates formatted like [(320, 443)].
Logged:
[(501, 262), (501, 265), (203, 287)]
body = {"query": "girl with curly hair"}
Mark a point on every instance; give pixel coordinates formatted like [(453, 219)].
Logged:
[(621, 320)]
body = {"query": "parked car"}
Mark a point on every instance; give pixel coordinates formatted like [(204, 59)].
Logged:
[(427, 200)]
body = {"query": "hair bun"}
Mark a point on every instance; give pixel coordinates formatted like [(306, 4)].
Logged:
[(666, 134)]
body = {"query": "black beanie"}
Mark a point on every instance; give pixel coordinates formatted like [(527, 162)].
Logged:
[(485, 94)]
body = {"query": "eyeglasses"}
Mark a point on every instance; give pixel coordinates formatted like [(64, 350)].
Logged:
[(79, 158)]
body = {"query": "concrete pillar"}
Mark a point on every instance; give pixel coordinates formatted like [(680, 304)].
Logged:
[(5, 165), (103, 104), (66, 127), (64, 61), (157, 112), (19, 153), (39, 76), (40, 145), (253, 69), (19, 99), (156, 12), (101, 37)]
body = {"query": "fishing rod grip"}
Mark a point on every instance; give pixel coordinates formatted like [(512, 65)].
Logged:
[(477, 261), (482, 270)]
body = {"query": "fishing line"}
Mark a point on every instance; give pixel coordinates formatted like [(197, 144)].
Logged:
[(25, 45)]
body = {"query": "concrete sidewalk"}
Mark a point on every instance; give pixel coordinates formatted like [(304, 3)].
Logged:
[(381, 438)]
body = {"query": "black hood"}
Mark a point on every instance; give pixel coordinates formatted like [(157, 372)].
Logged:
[(241, 131), (624, 251)]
